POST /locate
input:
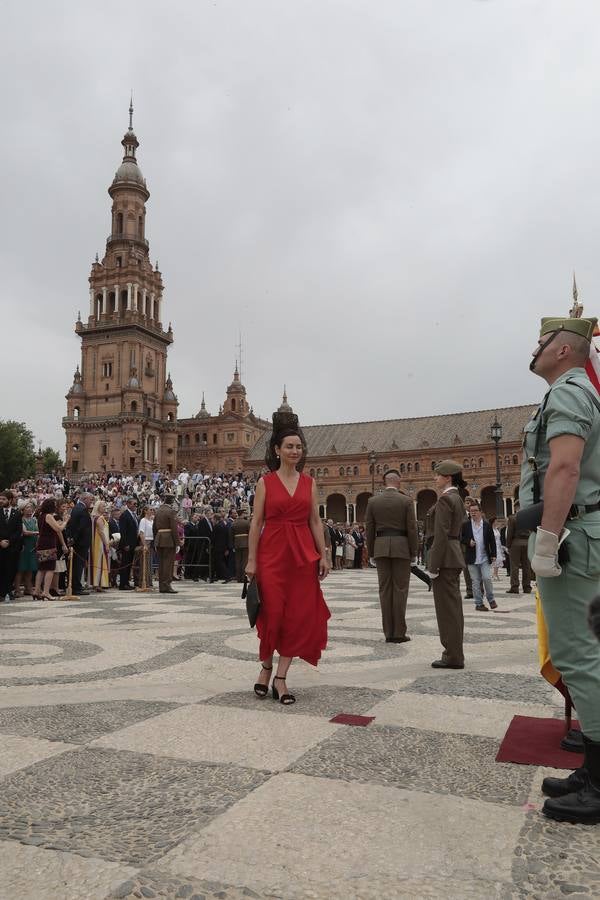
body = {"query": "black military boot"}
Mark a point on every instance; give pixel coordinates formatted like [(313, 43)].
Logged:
[(583, 805), (560, 787)]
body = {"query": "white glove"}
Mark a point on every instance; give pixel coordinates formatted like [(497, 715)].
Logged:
[(545, 558), (434, 574)]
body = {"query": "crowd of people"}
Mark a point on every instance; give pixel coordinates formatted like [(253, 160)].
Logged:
[(105, 523)]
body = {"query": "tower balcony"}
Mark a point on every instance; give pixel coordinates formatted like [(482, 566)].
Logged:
[(129, 238), (123, 319)]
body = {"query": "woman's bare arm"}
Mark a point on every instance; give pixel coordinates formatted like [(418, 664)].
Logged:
[(258, 518)]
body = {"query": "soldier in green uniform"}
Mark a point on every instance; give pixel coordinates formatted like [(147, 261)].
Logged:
[(561, 467), (445, 562)]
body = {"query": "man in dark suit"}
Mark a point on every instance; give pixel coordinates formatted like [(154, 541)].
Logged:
[(79, 533), (191, 550), (205, 532), (332, 541), (129, 525), (241, 531), (393, 541), (115, 556), (11, 541), (359, 540), (477, 537), (223, 544)]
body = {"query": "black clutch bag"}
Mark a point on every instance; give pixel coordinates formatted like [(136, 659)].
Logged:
[(252, 597)]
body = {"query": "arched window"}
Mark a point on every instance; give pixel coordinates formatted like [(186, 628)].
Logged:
[(402, 468), (409, 467), (433, 465), (481, 462), (179, 438), (385, 468), (378, 469), (355, 470), (319, 473), (233, 403), (507, 460), (119, 223), (465, 463), (170, 417), (417, 467), (341, 471), (325, 472), (134, 406), (515, 460), (312, 473), (348, 470), (76, 412), (197, 438), (472, 462), (186, 440), (140, 227)]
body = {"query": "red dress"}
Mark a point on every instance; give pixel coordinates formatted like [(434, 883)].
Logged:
[(293, 613)]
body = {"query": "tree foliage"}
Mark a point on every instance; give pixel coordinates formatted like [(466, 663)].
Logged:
[(17, 457), (52, 460)]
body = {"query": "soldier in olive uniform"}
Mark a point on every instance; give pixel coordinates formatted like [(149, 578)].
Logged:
[(445, 562), (165, 543), (561, 467), (241, 530), (393, 541), (516, 542)]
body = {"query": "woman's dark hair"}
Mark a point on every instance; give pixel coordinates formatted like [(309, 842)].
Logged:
[(48, 506), (459, 482), (285, 425), (492, 520)]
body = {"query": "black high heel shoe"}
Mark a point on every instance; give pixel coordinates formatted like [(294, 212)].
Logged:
[(261, 690), (286, 699)]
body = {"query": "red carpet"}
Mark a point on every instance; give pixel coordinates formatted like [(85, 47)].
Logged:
[(536, 742), (347, 719)]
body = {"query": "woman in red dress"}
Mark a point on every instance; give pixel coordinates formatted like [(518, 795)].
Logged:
[(286, 554)]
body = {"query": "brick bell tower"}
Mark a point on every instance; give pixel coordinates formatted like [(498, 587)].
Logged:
[(121, 408)]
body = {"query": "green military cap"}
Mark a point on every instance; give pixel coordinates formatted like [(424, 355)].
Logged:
[(448, 467), (583, 327)]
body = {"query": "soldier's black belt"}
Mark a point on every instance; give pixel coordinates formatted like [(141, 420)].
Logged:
[(530, 517), (391, 532)]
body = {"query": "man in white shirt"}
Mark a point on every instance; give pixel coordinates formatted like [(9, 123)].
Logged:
[(477, 537)]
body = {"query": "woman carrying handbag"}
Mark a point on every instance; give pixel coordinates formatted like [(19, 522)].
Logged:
[(286, 555)]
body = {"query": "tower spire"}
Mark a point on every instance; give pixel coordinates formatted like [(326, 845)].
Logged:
[(576, 310), (131, 111)]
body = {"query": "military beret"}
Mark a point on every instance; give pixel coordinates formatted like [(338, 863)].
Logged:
[(448, 467), (583, 327)]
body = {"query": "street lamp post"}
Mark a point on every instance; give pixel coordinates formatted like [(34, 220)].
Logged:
[(496, 437), (372, 461)]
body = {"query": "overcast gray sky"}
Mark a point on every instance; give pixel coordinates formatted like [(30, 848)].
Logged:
[(384, 196)]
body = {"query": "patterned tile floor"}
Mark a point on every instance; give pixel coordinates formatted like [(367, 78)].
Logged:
[(135, 760)]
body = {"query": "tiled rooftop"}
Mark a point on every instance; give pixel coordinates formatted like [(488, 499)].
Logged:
[(447, 431)]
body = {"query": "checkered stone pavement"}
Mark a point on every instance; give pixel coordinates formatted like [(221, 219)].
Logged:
[(135, 760)]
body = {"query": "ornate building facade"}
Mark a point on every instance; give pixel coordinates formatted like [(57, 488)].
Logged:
[(121, 408), (349, 460), (220, 443)]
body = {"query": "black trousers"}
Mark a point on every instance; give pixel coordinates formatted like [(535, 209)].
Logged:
[(80, 558), (221, 564), (126, 563), (192, 559), (9, 562)]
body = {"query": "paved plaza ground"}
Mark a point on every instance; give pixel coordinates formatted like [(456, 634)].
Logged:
[(135, 761)]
